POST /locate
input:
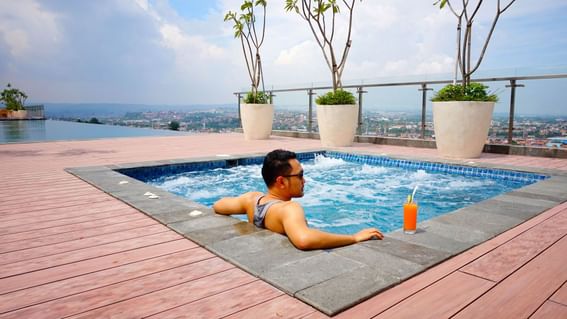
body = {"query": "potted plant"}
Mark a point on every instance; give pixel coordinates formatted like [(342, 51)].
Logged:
[(14, 100), (462, 112), (257, 111), (337, 111)]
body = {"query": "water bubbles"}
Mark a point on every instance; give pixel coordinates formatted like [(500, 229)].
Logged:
[(367, 169), (420, 175), (323, 162), (345, 197)]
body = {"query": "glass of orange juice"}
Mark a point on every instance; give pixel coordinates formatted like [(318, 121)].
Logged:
[(410, 217)]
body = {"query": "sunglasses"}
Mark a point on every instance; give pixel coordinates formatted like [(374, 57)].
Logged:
[(300, 175)]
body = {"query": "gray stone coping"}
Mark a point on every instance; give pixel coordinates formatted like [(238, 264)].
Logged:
[(335, 279)]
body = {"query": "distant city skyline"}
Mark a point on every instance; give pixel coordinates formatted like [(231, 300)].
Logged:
[(179, 52), (102, 110)]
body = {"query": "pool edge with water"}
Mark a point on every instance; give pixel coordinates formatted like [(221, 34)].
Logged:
[(349, 194), (366, 268)]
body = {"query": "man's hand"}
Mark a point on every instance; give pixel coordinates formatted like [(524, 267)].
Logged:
[(368, 233)]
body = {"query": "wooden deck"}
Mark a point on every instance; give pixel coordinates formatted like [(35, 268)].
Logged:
[(69, 250)]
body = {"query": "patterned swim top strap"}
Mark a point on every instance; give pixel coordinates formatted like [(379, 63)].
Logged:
[(261, 210)]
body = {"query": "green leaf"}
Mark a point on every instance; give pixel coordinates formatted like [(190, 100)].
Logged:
[(472, 92), (246, 5), (258, 98), (291, 5), (335, 98), (336, 9), (441, 3), (228, 16)]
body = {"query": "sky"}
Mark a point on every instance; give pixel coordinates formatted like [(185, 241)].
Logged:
[(180, 52)]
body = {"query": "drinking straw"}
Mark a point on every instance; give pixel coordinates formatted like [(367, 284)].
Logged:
[(413, 193)]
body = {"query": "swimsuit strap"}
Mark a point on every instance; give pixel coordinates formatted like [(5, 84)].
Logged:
[(260, 211)]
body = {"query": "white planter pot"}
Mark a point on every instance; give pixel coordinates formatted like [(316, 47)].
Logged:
[(257, 120), (337, 124), (461, 127)]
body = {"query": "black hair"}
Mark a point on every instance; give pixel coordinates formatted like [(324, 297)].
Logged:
[(276, 163)]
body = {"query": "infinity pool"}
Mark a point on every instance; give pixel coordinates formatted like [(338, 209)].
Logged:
[(51, 130), (345, 193)]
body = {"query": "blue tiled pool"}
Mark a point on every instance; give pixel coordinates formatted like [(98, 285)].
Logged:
[(345, 192)]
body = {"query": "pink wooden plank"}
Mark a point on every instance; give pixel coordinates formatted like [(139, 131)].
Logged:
[(84, 200), (54, 189), (560, 296), (394, 295), (224, 303), (45, 179), (82, 226), (41, 188), (174, 296), (432, 301), (316, 315), (281, 307), (38, 176), (523, 292), (82, 243), (16, 193), (62, 288), (61, 200), (125, 290), (46, 210), (76, 235), (86, 253), (550, 310), (505, 259), (52, 194), (53, 274), (62, 212), (72, 212), (67, 221)]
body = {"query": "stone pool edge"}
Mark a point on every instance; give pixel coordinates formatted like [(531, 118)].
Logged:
[(335, 279)]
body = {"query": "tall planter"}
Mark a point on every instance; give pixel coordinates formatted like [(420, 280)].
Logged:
[(257, 120), (461, 127), (337, 124)]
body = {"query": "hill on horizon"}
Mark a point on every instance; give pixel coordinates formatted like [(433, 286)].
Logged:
[(117, 109)]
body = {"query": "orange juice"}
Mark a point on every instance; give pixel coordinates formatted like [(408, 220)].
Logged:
[(410, 217)]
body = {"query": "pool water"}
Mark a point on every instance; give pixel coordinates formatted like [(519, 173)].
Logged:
[(342, 196), (50, 130)]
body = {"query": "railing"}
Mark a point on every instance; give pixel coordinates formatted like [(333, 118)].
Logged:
[(423, 87), (35, 111), (30, 112)]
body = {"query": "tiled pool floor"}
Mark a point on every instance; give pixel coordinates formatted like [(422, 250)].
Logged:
[(335, 279)]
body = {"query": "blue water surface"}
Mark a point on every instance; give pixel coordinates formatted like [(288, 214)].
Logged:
[(345, 197), (50, 130)]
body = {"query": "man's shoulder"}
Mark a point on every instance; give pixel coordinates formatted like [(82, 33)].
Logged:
[(292, 206), (253, 194), (250, 197)]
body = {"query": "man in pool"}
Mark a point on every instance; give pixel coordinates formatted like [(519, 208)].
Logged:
[(275, 210)]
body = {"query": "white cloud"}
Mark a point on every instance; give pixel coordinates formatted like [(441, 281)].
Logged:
[(143, 4), (436, 65), (297, 54), (185, 46), (25, 27), (142, 51)]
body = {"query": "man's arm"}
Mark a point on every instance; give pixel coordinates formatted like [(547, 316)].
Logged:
[(306, 238), (233, 205)]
